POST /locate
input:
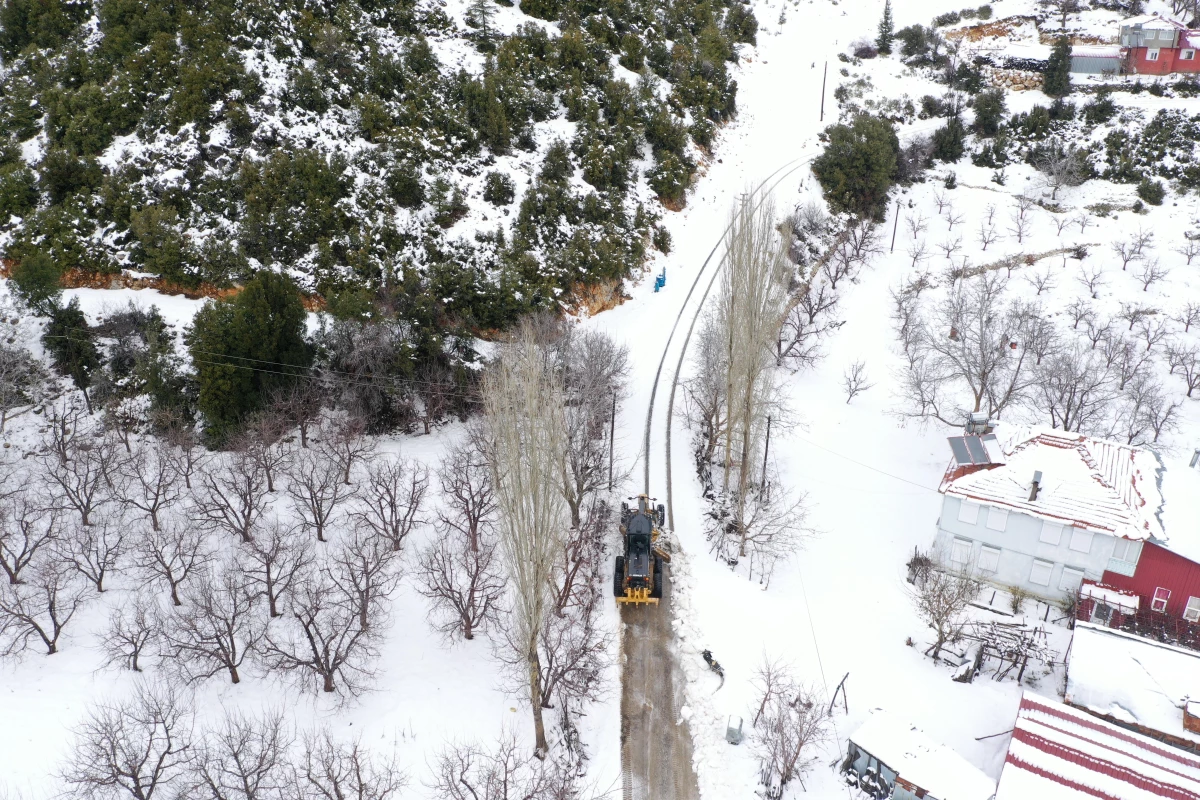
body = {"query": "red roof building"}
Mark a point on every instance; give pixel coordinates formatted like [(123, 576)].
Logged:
[(1153, 45), (1059, 753)]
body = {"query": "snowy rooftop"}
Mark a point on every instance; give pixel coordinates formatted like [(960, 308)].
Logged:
[(1089, 483), (1132, 680), (1106, 594), (919, 760), (1153, 22), (1058, 753)]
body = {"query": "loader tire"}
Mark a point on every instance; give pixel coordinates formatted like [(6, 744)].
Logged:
[(619, 578), (656, 589)]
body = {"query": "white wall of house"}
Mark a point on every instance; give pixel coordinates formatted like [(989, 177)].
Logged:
[(1014, 549)]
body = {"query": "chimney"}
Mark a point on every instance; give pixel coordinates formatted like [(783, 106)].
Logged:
[(1037, 485)]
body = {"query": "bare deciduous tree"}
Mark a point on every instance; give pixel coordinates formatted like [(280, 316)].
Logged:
[(316, 488), (941, 598), (365, 568), (776, 525), (40, 607), (1152, 272), (299, 405), (1185, 362), (336, 770), (81, 482), (1188, 250), (1041, 281), (344, 441), (1126, 251), (1075, 388), (471, 772), (917, 224), (1092, 278), (276, 557), (94, 551), (1152, 331), (1022, 222), (21, 380), (1082, 220), (139, 747), (854, 379), (322, 638), (233, 497), (1062, 167), (263, 441), (1146, 413), (149, 481), (133, 632), (793, 724), (186, 453), (1188, 316), (172, 555), (1080, 310), (918, 253), (950, 247), (389, 501), (468, 494), (807, 321), (246, 758), (217, 630), (523, 402), (461, 578), (27, 527), (986, 235)]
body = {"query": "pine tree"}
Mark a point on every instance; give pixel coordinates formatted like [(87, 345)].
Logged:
[(245, 348), (1056, 81), (480, 14), (69, 341), (883, 42)]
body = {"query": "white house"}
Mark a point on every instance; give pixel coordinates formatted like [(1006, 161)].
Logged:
[(1043, 509)]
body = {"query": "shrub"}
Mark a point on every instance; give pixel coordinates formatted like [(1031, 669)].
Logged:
[(404, 184), (1157, 89), (1062, 111), (931, 107), (1152, 191), (35, 281), (949, 18), (948, 141), (984, 12), (498, 188), (951, 181), (914, 41), (18, 191), (62, 175), (1100, 109), (989, 112), (858, 165), (661, 239)]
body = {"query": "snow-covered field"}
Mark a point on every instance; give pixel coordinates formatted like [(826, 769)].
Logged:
[(839, 608)]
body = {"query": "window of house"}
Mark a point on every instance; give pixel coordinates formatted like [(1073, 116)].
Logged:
[(960, 551), (1127, 550), (997, 518), (1040, 574), (1051, 533), (1070, 580), (1161, 596), (1192, 612), (1152, 55), (1187, 55), (1081, 540), (968, 512), (989, 559)]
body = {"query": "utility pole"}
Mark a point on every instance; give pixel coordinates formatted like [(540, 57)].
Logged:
[(895, 225), (766, 449), (824, 74), (612, 430)]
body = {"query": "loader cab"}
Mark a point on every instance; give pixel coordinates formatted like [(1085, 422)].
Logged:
[(638, 574)]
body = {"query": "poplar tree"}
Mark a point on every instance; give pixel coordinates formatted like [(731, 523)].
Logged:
[(883, 42)]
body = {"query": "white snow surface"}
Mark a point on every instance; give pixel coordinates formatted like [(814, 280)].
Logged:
[(921, 761), (1107, 594), (1132, 679), (871, 477)]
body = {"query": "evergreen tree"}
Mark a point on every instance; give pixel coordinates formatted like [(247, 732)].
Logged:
[(69, 341), (883, 42), (480, 14), (1056, 81), (246, 347), (35, 282), (858, 165)]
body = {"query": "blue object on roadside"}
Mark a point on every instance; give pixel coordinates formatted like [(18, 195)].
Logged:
[(660, 280)]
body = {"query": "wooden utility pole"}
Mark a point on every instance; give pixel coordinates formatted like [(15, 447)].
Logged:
[(766, 449), (895, 224), (824, 74)]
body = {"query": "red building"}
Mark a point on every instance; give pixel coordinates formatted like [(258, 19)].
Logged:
[(1165, 581), (1152, 45)]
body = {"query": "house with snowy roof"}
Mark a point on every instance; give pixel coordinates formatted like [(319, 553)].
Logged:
[(1136, 683), (886, 757), (1059, 753), (1043, 509)]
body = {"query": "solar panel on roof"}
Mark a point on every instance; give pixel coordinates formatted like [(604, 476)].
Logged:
[(959, 448), (978, 454)]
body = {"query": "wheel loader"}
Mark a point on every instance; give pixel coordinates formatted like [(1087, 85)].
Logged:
[(638, 575)]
